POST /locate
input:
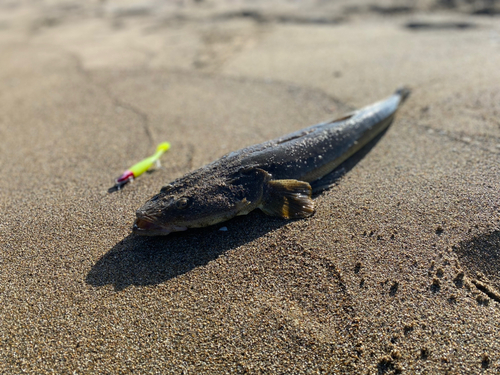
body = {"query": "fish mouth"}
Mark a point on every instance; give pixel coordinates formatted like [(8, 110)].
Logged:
[(147, 228)]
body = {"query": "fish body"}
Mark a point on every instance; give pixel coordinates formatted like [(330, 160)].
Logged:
[(274, 176)]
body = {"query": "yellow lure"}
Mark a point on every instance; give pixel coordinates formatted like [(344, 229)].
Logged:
[(137, 169), (144, 165)]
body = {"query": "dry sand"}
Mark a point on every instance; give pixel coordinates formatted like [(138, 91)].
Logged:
[(397, 272)]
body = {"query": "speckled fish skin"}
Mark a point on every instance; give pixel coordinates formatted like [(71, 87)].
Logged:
[(313, 152), (273, 176)]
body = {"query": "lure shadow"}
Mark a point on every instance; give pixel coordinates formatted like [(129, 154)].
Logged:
[(143, 261)]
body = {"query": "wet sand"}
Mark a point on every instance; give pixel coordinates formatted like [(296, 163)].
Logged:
[(398, 271)]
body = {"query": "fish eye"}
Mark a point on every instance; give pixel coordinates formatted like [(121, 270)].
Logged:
[(166, 188), (181, 203)]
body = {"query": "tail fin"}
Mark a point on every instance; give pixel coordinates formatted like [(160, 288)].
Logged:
[(403, 92)]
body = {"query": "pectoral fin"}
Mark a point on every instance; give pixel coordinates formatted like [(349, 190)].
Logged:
[(289, 199)]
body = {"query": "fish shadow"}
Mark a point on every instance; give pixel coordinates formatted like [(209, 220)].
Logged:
[(142, 261), (329, 180)]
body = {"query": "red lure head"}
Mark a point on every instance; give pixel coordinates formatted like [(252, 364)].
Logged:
[(127, 175)]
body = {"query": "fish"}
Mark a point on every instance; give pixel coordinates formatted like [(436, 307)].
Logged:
[(277, 176)]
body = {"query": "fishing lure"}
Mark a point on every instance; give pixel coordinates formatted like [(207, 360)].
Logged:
[(137, 169)]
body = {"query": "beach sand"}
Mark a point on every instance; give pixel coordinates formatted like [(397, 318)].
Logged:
[(398, 271)]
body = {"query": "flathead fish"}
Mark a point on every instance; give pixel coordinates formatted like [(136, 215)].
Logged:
[(274, 176)]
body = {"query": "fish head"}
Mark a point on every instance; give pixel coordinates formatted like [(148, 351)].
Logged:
[(184, 205)]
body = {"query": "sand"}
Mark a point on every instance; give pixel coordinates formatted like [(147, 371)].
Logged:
[(397, 272)]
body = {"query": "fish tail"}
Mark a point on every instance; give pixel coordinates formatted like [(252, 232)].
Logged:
[(403, 92)]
